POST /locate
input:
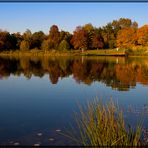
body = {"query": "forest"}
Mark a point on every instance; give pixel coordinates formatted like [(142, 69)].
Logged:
[(123, 33)]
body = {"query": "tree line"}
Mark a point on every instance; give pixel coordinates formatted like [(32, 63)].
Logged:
[(122, 33)]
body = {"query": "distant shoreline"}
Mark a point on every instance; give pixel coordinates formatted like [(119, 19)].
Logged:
[(102, 52)]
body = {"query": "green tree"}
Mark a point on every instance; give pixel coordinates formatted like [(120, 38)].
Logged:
[(109, 36), (18, 38), (7, 41), (64, 45), (64, 35), (124, 23), (37, 39)]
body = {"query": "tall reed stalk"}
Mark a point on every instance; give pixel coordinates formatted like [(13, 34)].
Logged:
[(104, 125)]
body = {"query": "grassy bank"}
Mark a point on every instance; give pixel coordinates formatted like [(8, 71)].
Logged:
[(36, 53), (137, 51), (102, 52)]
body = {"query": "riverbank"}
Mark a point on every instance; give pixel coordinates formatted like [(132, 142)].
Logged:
[(138, 51), (102, 52)]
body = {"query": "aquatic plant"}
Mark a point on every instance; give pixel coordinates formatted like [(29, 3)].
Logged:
[(103, 125)]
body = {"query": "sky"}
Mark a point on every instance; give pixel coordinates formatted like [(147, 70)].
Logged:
[(17, 17)]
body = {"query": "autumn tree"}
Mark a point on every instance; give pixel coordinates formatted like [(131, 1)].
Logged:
[(126, 38), (27, 39), (97, 40), (45, 46), (110, 31), (54, 36), (90, 30), (80, 39), (142, 35), (123, 23), (24, 46), (119, 33)]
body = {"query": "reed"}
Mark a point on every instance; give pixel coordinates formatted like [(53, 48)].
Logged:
[(104, 125)]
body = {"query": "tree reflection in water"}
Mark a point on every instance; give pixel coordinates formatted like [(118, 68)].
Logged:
[(118, 72)]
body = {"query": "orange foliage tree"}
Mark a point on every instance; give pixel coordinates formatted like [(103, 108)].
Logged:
[(80, 38), (126, 38), (142, 35)]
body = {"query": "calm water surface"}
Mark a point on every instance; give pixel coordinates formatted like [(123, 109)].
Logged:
[(39, 96)]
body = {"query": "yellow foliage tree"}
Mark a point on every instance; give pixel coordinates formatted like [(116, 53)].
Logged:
[(126, 38), (142, 35)]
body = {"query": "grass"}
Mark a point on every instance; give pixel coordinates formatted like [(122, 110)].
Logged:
[(103, 52), (104, 125), (35, 52), (134, 51), (138, 51)]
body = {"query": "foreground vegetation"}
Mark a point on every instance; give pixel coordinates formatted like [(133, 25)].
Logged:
[(104, 125), (122, 34)]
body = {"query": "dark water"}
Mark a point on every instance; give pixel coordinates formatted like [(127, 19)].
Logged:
[(39, 96)]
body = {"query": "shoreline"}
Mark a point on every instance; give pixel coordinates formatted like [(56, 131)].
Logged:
[(102, 52), (110, 52)]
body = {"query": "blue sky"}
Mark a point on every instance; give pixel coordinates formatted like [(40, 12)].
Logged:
[(17, 17)]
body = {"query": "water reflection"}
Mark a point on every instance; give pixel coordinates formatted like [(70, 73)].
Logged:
[(36, 106), (119, 73)]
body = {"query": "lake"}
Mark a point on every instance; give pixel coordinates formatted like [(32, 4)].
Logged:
[(39, 95)]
